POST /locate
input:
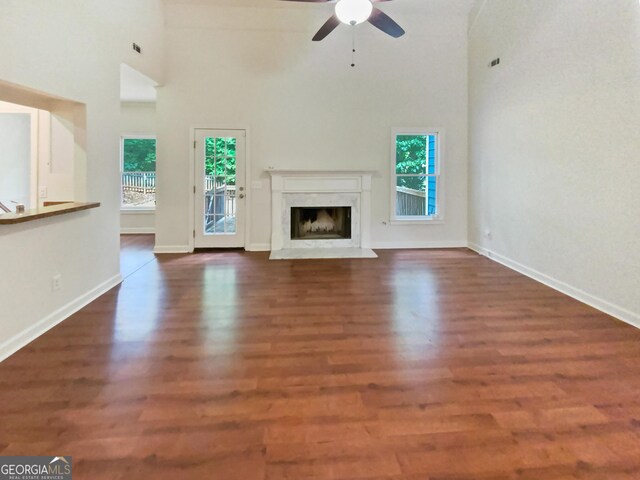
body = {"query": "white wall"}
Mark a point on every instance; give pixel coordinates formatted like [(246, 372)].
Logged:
[(59, 174), (72, 49), (306, 108), (554, 143), (137, 118)]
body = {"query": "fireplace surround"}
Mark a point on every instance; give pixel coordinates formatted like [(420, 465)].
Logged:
[(315, 201)]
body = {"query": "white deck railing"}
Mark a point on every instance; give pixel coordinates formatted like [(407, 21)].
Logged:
[(142, 182)]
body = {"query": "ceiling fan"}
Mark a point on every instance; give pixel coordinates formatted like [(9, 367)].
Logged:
[(354, 12)]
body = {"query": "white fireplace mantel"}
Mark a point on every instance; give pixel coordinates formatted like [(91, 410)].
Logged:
[(327, 185)]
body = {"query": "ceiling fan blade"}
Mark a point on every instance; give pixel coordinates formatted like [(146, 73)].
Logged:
[(327, 28), (384, 22)]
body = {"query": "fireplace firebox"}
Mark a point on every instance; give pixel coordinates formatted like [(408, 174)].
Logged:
[(320, 223)]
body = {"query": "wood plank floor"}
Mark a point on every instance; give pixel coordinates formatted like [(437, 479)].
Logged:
[(420, 365), (135, 252)]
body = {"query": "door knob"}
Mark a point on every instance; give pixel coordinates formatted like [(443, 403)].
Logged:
[(241, 195)]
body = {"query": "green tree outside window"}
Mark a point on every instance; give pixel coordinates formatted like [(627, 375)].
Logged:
[(139, 155), (220, 159)]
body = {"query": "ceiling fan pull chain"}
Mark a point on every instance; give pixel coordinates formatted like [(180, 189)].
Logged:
[(353, 45)]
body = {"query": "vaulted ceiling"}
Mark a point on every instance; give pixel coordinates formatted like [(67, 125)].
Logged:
[(458, 7)]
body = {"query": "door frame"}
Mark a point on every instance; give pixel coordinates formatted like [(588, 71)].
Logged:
[(192, 179)]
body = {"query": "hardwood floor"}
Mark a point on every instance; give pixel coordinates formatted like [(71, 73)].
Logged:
[(420, 365), (135, 252)]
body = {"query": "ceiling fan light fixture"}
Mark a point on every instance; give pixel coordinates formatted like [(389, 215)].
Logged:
[(353, 12)]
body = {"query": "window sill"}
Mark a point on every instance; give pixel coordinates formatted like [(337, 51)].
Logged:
[(137, 211), (415, 221)]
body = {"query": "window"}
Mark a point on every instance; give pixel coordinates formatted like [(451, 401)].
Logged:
[(415, 168), (138, 167)]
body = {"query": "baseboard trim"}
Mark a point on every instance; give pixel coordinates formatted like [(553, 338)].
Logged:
[(168, 249), (165, 249), (27, 336), (417, 244), (258, 247), (598, 303), (137, 231)]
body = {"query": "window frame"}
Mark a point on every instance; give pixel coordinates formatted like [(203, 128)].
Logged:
[(438, 218), (135, 136)]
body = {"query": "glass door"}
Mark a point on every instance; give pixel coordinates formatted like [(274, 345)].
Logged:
[(220, 192)]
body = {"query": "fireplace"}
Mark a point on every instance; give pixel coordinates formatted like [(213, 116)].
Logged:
[(320, 214), (320, 223)]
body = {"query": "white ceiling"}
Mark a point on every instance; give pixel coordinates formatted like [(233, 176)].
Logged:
[(136, 87), (459, 7)]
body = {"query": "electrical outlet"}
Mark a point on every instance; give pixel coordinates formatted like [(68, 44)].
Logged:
[(42, 191), (56, 282)]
